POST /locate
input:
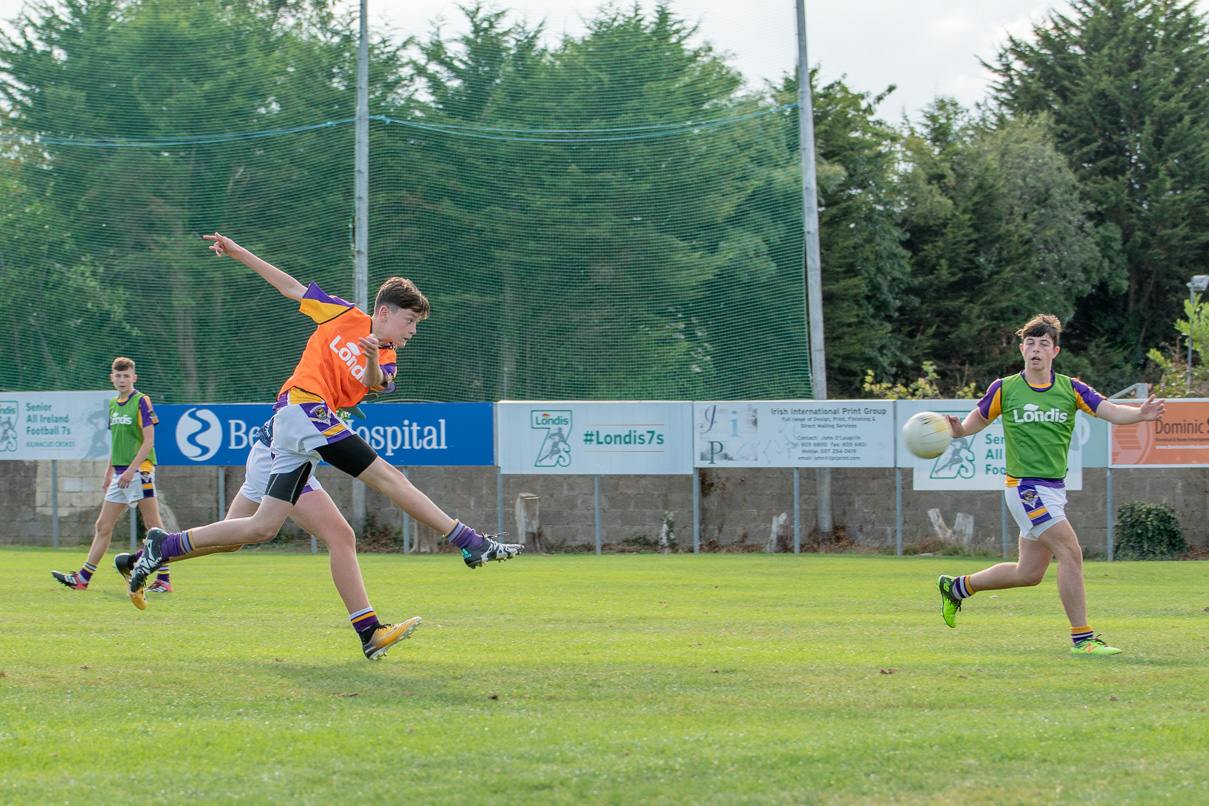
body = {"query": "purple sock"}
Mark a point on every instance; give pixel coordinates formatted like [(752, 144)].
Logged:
[(175, 545), (364, 620), (464, 537)]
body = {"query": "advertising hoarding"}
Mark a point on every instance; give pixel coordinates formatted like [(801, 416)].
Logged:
[(406, 434), (1179, 439), (794, 433), (54, 425), (597, 438)]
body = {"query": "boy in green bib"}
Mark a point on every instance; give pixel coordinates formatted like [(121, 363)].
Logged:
[(129, 476), (1038, 408)]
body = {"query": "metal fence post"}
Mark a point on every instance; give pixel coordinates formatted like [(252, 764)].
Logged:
[(54, 503), (406, 521), (499, 501), (696, 511), (596, 484), (797, 511), (898, 511), (221, 483)]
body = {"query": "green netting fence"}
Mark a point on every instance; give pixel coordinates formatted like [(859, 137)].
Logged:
[(610, 218)]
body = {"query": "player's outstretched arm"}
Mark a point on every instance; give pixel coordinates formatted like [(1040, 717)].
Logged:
[(1123, 414), (287, 285), (972, 424)]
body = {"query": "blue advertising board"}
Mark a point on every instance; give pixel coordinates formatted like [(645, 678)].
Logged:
[(407, 434), (430, 434), (208, 435)]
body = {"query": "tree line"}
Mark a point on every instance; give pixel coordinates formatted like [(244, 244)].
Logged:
[(613, 215)]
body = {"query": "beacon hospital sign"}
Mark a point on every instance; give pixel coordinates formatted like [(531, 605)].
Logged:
[(407, 434)]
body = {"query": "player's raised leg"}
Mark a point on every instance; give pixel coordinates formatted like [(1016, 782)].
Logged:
[(1028, 570), (476, 548)]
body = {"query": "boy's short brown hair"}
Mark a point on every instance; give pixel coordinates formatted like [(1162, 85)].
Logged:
[(401, 293), (1043, 324), (122, 363)]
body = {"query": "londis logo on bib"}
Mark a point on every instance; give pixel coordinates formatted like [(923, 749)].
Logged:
[(121, 419), (348, 353), (1032, 413)]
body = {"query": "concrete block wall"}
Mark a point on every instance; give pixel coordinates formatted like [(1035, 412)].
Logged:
[(737, 506)]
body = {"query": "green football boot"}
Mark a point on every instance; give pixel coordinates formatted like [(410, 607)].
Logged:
[(1093, 646), (949, 604)]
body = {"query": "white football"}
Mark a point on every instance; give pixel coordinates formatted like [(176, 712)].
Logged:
[(927, 435)]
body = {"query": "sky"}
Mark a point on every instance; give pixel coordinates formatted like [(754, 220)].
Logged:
[(924, 47)]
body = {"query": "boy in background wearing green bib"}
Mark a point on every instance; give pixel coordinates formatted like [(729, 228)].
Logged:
[(129, 477), (1038, 408)]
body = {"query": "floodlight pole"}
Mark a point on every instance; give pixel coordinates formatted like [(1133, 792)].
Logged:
[(1199, 283), (361, 155), (1191, 302), (361, 209), (814, 281)]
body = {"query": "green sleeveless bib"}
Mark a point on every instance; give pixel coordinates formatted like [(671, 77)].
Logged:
[(126, 430), (1038, 426)]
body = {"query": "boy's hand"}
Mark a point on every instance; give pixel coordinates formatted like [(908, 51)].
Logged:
[(370, 346), (222, 244), (1152, 409), (956, 426), (126, 477)]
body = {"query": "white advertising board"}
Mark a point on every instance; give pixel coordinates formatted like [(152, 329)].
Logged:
[(794, 433), (976, 462), (614, 438), (54, 425)]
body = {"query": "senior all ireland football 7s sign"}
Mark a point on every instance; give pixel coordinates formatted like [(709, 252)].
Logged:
[(54, 425)]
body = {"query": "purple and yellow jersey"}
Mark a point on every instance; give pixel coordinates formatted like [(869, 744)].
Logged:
[(127, 418), (1037, 422), (332, 364)]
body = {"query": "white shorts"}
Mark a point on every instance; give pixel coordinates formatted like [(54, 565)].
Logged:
[(140, 487), (257, 470), (1036, 505), (299, 430)]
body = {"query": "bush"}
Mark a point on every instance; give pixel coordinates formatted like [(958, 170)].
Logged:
[(1149, 532)]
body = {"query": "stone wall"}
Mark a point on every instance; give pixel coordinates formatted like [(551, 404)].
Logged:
[(737, 506)]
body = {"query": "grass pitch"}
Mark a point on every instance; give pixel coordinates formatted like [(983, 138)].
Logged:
[(713, 679)]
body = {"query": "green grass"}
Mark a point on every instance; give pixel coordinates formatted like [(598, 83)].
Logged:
[(713, 679)]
